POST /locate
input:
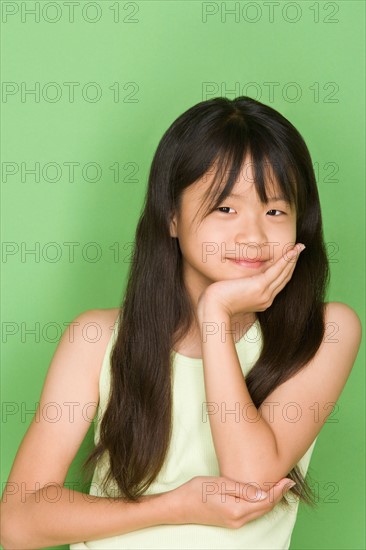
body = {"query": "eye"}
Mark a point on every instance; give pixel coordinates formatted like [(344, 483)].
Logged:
[(273, 212), (227, 207)]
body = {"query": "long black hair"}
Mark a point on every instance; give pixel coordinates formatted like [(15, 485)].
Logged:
[(214, 135)]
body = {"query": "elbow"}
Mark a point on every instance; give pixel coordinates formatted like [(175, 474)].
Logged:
[(266, 483), (7, 543), (13, 534), (12, 539), (8, 538), (263, 483), (260, 469), (263, 477)]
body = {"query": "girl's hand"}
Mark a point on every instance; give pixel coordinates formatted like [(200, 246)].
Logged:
[(223, 502), (251, 294)]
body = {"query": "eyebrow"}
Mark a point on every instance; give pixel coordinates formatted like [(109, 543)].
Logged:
[(274, 198)]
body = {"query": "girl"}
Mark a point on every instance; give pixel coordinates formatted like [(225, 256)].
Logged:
[(218, 375)]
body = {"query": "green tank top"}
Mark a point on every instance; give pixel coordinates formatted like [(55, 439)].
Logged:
[(191, 453)]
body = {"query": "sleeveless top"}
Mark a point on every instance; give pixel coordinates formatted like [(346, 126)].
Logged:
[(191, 453)]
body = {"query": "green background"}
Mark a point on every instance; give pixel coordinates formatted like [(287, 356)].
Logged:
[(174, 57)]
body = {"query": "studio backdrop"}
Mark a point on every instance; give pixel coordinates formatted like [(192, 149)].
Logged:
[(88, 89)]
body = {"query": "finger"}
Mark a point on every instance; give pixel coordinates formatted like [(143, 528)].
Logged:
[(283, 271), (276, 493), (270, 500), (284, 264), (246, 492), (289, 259), (277, 285), (251, 492)]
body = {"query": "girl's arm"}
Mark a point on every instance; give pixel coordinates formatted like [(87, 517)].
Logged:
[(36, 516), (37, 511), (263, 445), (55, 515)]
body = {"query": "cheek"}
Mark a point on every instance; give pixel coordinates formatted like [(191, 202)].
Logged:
[(201, 247), (286, 232), (189, 244), (211, 242), (282, 239)]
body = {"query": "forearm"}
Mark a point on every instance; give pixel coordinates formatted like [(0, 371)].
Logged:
[(244, 442), (56, 515)]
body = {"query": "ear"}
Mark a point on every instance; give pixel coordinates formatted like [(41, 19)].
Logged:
[(173, 225)]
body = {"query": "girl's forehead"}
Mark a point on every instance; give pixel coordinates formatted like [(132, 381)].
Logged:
[(243, 185)]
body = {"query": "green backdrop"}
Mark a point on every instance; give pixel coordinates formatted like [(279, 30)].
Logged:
[(87, 93)]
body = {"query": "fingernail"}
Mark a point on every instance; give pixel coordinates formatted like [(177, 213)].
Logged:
[(290, 485), (301, 247)]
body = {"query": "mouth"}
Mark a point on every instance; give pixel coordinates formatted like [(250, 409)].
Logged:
[(247, 262)]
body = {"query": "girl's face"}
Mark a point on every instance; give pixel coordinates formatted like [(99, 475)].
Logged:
[(240, 228)]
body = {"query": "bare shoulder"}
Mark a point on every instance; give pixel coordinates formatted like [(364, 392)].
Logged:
[(107, 317), (346, 320), (314, 388), (344, 327), (97, 325), (48, 447)]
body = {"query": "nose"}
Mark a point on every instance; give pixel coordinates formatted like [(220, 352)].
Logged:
[(250, 240)]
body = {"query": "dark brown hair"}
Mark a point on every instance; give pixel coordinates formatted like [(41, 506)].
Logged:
[(156, 311)]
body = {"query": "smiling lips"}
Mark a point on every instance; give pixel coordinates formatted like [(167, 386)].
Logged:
[(247, 262)]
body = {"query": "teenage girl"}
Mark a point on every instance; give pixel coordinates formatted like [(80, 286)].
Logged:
[(210, 391)]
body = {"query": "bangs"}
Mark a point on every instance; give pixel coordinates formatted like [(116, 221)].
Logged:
[(273, 171)]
